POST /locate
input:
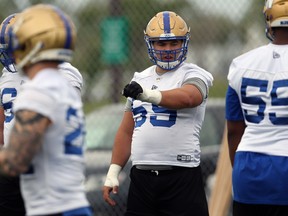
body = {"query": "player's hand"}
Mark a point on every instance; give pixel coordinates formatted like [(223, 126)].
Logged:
[(111, 183), (106, 194), (132, 90)]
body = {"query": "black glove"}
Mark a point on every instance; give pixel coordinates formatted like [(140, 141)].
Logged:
[(132, 90)]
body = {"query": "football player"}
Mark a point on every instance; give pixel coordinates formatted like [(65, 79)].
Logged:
[(160, 129), (11, 202), (49, 111), (257, 121)]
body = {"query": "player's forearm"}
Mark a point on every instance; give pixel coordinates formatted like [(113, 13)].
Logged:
[(10, 164), (185, 97), (25, 140), (18, 154), (120, 155), (121, 149), (188, 96)]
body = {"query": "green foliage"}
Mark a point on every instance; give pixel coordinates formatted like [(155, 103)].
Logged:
[(218, 90)]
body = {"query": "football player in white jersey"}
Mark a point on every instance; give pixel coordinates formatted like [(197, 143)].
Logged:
[(45, 144), (11, 202), (257, 121), (160, 128)]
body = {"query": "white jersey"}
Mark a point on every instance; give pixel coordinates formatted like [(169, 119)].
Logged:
[(9, 86), (11, 82), (72, 74), (54, 182), (164, 136), (260, 79)]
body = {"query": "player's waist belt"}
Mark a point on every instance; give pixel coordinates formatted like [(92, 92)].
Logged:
[(159, 169), (155, 167)]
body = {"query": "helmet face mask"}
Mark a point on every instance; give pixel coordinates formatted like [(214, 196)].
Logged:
[(167, 26), (42, 33), (276, 15), (6, 58)]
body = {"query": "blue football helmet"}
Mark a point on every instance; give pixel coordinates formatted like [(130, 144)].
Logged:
[(167, 25), (6, 59)]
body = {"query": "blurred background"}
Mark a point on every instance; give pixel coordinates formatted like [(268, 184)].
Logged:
[(110, 45), (110, 48)]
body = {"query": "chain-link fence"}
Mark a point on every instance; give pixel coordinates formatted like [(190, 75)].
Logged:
[(99, 147), (110, 46)]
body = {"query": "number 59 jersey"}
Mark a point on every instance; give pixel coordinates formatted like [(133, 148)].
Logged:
[(258, 93), (165, 136)]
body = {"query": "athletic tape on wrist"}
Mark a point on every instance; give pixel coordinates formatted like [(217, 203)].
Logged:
[(151, 96), (112, 176), (114, 170)]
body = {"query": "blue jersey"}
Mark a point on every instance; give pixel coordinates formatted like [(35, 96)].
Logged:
[(258, 94)]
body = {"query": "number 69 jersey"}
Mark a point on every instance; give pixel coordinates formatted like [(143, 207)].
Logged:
[(9, 85), (261, 89), (164, 136)]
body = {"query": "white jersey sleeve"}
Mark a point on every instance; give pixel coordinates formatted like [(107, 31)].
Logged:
[(72, 74), (164, 136)]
